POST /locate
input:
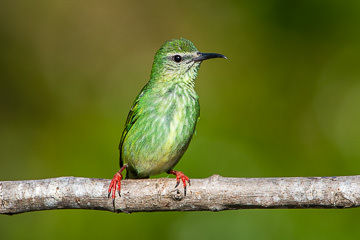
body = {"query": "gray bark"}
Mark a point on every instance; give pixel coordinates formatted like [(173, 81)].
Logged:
[(215, 193)]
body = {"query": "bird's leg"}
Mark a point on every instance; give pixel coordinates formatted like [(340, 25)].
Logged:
[(116, 183), (180, 175)]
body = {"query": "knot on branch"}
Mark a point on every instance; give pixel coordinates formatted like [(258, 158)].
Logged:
[(177, 195), (340, 200)]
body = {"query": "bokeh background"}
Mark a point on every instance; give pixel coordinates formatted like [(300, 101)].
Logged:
[(286, 103)]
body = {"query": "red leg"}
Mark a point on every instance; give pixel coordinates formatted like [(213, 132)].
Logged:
[(116, 183), (180, 175)]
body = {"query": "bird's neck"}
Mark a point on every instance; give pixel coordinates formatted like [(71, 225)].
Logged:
[(167, 77), (175, 83), (173, 88), (186, 81)]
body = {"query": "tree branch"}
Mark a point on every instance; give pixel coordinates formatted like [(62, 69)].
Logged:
[(215, 193)]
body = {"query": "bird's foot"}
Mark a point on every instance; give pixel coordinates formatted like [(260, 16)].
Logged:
[(116, 184), (180, 175)]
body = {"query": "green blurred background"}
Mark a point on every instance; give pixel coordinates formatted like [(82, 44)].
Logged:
[(286, 103)]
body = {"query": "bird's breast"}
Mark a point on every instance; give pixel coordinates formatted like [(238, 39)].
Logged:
[(162, 132)]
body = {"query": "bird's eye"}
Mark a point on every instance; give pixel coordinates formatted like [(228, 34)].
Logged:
[(177, 58)]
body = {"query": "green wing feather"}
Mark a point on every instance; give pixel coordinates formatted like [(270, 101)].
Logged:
[(131, 119)]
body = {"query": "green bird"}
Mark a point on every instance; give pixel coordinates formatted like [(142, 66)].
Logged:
[(163, 117)]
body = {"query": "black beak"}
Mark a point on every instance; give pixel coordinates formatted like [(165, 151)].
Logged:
[(204, 56)]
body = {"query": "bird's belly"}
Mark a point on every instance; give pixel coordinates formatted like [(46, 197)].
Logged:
[(155, 144)]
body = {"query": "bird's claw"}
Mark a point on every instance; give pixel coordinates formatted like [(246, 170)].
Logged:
[(180, 175), (116, 184)]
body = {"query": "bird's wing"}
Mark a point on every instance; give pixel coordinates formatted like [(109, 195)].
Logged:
[(131, 119)]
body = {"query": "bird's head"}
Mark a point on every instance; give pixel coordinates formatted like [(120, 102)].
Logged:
[(179, 60)]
